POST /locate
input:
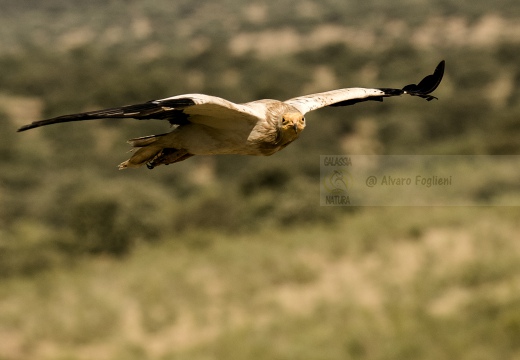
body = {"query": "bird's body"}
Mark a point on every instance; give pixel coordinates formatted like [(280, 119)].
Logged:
[(219, 127), (254, 132), (209, 125)]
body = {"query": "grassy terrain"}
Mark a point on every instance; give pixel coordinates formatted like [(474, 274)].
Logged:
[(422, 284)]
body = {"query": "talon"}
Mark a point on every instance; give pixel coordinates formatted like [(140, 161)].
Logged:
[(152, 163)]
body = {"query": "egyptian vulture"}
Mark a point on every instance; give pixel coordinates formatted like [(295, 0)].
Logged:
[(209, 125)]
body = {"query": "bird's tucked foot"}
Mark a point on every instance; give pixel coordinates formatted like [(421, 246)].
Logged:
[(168, 156)]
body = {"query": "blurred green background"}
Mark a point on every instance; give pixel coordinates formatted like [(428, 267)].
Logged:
[(232, 257)]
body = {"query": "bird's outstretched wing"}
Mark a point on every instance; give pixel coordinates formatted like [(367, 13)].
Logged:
[(198, 108), (350, 96)]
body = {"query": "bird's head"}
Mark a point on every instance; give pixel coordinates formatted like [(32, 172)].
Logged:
[(292, 122)]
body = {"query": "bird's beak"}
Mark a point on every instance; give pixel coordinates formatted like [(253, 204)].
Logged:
[(295, 126)]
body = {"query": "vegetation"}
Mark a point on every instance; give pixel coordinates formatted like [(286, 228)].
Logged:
[(432, 283), (232, 257)]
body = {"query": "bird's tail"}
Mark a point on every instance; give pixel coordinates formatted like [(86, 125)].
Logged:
[(152, 153), (145, 140), (147, 150)]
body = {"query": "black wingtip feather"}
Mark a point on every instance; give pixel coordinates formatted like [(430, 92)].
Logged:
[(169, 109), (68, 118), (23, 128), (425, 87), (428, 84)]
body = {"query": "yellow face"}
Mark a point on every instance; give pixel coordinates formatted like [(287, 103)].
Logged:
[(293, 121)]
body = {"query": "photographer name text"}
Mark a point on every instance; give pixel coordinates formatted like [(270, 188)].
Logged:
[(418, 180)]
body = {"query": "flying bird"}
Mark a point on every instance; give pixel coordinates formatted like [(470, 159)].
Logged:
[(209, 125)]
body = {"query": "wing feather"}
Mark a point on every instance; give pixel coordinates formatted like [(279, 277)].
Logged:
[(181, 109), (350, 96), (220, 113)]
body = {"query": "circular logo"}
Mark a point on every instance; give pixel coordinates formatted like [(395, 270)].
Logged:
[(337, 182)]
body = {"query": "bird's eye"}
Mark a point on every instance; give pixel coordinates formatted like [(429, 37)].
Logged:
[(303, 119), (284, 120)]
